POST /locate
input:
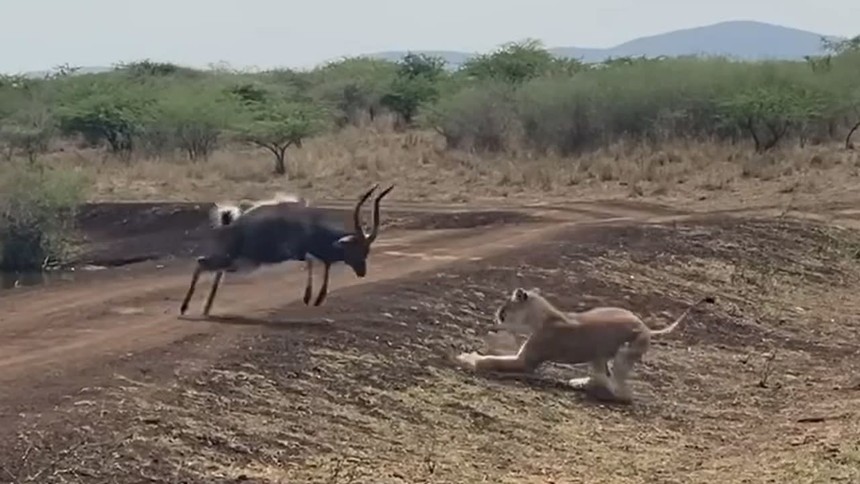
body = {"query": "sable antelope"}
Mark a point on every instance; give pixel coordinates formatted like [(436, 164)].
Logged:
[(280, 230)]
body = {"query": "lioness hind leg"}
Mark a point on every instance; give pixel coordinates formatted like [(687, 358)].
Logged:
[(597, 380), (622, 367)]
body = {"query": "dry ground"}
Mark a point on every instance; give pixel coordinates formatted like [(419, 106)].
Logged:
[(102, 382), (108, 385)]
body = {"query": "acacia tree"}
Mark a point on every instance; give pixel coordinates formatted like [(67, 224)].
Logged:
[(767, 114), (841, 46), (416, 83), (27, 124), (195, 118), (853, 104), (354, 87), (277, 126), (847, 57), (518, 62), (30, 135), (106, 111)]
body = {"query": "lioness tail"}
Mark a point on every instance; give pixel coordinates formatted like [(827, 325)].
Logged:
[(671, 327)]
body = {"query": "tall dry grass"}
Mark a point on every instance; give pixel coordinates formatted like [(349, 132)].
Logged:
[(338, 166)]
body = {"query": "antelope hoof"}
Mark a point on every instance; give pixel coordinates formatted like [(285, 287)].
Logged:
[(307, 298)]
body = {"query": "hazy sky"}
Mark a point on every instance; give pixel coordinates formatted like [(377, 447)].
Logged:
[(39, 34)]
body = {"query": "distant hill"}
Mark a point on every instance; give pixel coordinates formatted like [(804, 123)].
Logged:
[(743, 40)]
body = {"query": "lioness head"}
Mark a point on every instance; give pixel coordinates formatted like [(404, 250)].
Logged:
[(525, 309)]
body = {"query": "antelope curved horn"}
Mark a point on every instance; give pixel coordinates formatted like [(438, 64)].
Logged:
[(356, 214), (374, 231)]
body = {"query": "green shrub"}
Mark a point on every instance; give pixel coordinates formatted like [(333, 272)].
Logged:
[(192, 119), (353, 88), (518, 95), (477, 117), (37, 213), (649, 100), (107, 109)]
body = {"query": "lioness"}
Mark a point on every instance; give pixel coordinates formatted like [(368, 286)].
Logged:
[(594, 336)]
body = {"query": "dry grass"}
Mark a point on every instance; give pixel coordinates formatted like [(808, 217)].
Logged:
[(704, 174)]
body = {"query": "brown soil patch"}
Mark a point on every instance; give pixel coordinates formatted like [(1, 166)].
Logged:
[(761, 387)]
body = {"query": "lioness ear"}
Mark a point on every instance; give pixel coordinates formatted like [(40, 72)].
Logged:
[(520, 294)]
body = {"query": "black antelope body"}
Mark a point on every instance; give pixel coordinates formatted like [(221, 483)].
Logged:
[(282, 230)]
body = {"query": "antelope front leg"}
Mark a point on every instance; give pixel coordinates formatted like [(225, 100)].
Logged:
[(324, 288), (190, 292), (310, 281)]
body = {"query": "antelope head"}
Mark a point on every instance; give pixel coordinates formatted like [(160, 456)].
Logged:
[(356, 246)]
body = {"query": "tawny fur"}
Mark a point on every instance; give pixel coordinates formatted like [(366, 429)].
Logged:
[(595, 336), (501, 342), (278, 198)]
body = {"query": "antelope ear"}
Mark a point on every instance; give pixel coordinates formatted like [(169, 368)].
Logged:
[(345, 240), (520, 295)]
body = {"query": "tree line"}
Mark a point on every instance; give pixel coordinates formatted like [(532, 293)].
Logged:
[(519, 96)]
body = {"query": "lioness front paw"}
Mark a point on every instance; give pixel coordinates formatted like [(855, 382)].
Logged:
[(468, 360)]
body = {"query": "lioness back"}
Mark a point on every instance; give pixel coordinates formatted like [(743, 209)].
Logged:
[(597, 333), (616, 315)]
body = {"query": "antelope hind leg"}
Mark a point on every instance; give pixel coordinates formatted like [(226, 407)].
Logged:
[(194, 277), (211, 298), (310, 282), (204, 264), (324, 288)]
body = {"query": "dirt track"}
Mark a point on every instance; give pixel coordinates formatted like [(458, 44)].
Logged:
[(75, 325), (60, 340)]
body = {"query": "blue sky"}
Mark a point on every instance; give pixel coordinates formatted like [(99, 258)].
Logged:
[(39, 34)]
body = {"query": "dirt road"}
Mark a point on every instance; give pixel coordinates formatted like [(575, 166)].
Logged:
[(61, 339), (70, 326)]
